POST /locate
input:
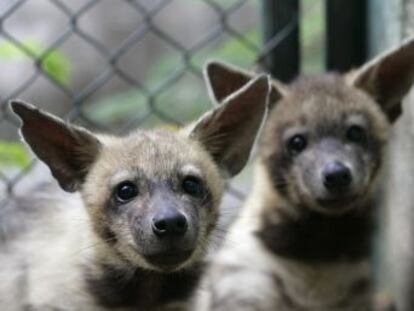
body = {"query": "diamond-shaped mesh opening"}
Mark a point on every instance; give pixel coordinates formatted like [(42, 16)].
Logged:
[(183, 100), (244, 19), (84, 62), (30, 24), (150, 60), (114, 104), (98, 22), (177, 27)]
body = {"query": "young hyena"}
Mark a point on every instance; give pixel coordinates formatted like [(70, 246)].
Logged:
[(302, 242), (135, 237)]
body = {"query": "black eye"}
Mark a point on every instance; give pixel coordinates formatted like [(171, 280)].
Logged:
[(297, 144), (192, 185), (356, 134), (126, 191)]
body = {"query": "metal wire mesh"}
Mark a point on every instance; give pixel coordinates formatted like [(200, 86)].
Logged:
[(114, 82)]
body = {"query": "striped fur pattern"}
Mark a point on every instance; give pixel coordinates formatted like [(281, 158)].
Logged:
[(100, 245), (300, 244)]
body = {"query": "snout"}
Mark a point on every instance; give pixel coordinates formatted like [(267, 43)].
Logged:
[(339, 186), (167, 234), (171, 238), (169, 224), (336, 177), (333, 176)]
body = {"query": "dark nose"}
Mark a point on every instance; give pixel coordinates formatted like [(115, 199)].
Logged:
[(336, 176), (169, 224)]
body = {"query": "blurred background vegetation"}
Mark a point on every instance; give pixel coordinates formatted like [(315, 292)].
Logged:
[(168, 94)]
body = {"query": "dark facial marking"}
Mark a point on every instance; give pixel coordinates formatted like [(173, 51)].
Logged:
[(107, 234), (102, 226), (319, 238), (279, 164)]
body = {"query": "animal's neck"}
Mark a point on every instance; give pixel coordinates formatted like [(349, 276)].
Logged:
[(323, 261), (313, 237), (114, 285)]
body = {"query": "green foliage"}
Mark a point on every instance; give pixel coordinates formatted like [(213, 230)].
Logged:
[(54, 63), (57, 67), (9, 52), (13, 154)]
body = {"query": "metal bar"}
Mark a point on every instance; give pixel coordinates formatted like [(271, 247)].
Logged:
[(283, 60), (346, 34)]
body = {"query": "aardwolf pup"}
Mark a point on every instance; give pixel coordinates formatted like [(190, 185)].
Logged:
[(148, 206), (302, 242)]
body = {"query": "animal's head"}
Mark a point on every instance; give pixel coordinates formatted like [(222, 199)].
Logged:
[(321, 146), (152, 196)]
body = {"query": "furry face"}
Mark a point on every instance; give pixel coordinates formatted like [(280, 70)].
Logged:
[(322, 145), (157, 207)]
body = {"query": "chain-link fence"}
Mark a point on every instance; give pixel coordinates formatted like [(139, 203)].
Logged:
[(113, 65)]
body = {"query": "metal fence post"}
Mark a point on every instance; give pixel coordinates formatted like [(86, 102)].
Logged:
[(346, 34), (280, 23)]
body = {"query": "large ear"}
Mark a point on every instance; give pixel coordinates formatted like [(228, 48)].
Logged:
[(223, 79), (388, 78), (69, 151), (229, 131)]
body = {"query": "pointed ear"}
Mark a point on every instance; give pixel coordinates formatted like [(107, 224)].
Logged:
[(223, 79), (388, 78), (69, 151), (229, 131)]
